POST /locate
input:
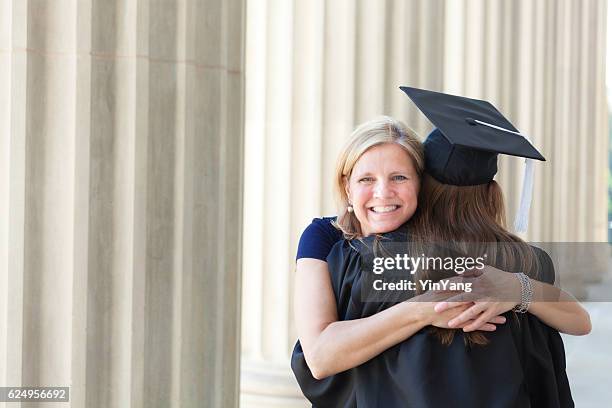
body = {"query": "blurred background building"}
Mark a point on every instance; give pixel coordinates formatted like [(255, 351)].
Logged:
[(160, 158)]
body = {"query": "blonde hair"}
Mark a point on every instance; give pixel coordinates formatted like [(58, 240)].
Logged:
[(367, 135)]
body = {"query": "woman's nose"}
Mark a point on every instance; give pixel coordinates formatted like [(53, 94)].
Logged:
[(382, 190)]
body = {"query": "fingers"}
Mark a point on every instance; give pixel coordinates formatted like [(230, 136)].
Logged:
[(470, 314), (445, 305), (472, 273), (455, 279), (497, 320), (481, 320), (461, 297), (485, 327)]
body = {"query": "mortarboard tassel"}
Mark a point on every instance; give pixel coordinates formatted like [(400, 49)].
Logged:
[(522, 217), (521, 222)]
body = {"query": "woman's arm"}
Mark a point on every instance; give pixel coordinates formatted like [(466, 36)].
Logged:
[(495, 292), (331, 346), (565, 314)]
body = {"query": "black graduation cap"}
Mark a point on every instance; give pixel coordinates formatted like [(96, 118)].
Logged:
[(469, 135)]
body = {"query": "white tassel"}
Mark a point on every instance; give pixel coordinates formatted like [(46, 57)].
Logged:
[(522, 217), (521, 221)]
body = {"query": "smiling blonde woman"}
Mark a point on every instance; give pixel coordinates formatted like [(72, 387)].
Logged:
[(387, 353), (380, 166)]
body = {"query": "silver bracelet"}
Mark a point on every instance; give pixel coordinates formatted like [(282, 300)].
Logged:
[(526, 294)]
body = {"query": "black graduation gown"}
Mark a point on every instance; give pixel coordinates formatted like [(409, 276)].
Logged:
[(522, 366)]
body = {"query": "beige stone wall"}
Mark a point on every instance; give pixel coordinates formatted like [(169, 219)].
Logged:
[(121, 155), (315, 69)]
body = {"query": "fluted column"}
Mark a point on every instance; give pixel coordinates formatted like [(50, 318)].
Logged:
[(316, 69), (121, 143), (269, 121)]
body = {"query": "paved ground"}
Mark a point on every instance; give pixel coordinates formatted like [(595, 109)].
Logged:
[(589, 358)]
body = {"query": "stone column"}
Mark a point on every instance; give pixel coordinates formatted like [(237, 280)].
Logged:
[(121, 200)]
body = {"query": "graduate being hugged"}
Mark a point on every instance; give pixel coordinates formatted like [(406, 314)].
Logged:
[(496, 346)]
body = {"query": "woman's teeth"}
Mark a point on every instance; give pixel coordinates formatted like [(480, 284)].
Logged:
[(386, 209)]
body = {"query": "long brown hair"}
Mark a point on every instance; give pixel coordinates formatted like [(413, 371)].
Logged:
[(472, 220)]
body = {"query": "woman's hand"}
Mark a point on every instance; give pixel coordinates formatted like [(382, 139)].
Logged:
[(431, 302), (444, 318), (481, 312), (493, 292)]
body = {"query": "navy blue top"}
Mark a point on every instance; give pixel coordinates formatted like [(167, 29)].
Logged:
[(318, 239)]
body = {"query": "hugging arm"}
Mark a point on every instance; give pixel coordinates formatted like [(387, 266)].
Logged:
[(497, 291), (331, 346), (565, 314), (556, 307)]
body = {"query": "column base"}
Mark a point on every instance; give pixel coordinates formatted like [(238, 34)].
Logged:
[(269, 384)]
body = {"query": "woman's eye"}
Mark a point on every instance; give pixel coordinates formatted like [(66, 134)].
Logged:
[(366, 180), (400, 178)]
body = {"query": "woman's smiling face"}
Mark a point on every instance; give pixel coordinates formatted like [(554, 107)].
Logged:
[(383, 189)]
